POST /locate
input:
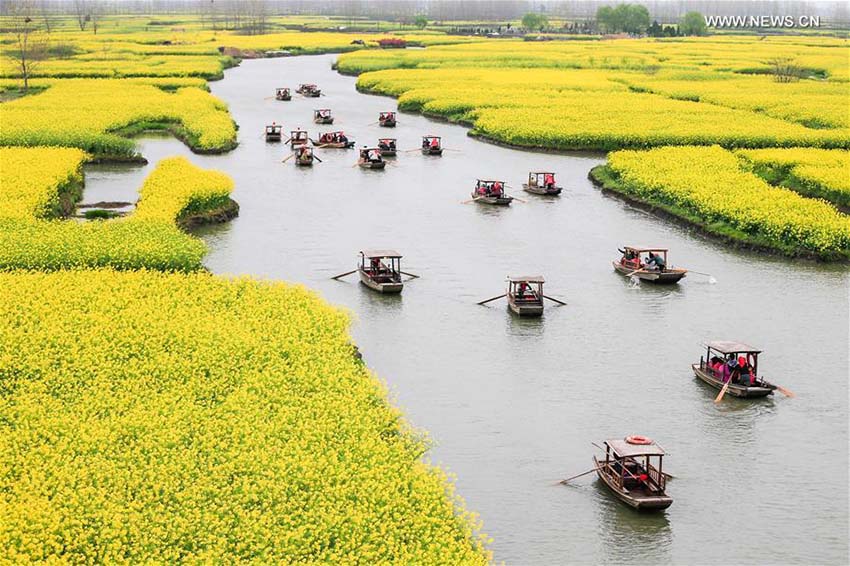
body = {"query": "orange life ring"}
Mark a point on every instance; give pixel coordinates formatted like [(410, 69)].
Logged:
[(637, 439)]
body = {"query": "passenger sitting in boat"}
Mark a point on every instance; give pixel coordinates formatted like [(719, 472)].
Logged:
[(655, 262), (374, 156), (497, 189), (630, 258), (435, 144), (523, 288), (342, 138), (549, 181), (482, 189), (745, 373)]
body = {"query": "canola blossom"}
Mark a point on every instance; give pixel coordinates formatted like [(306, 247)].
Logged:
[(708, 183), (83, 113), (168, 418), (813, 172), (39, 182), (646, 93), (148, 238)]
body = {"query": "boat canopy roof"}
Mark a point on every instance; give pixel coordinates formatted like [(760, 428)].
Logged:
[(432, 137), (388, 113), (541, 173), (526, 278), (369, 254), (322, 110), (625, 449), (731, 347), (283, 88), (307, 84), (645, 249), (491, 181), (386, 139)]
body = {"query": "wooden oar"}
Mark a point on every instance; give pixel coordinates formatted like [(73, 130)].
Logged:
[(491, 299), (291, 155), (786, 392), (409, 274), (468, 201), (641, 270), (562, 303), (720, 395), (344, 274), (590, 471), (519, 199), (316, 158)]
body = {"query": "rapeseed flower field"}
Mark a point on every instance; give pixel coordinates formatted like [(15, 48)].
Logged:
[(83, 113), (710, 184), (817, 173), (31, 236), (162, 418)]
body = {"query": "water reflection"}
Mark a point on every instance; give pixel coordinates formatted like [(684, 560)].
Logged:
[(527, 326), (627, 536)]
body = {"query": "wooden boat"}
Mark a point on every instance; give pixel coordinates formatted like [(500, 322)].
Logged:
[(380, 270), (388, 147), (491, 192), (432, 145), (304, 156), (721, 352), (309, 90), (337, 140), (370, 158), (523, 299), (273, 132), (323, 116), (634, 263), (541, 183), (387, 119), (282, 94), (298, 137), (629, 473)]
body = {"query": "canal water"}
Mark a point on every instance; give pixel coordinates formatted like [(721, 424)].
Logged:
[(513, 405)]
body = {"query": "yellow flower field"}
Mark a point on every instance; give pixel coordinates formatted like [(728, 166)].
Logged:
[(35, 180), (165, 418), (148, 238), (82, 113), (647, 92), (813, 172), (709, 184)]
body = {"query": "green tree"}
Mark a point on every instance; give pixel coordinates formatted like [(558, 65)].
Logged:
[(693, 23), (630, 18), (533, 20), (420, 21), (605, 18)]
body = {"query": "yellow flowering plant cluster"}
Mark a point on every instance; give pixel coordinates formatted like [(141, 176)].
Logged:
[(646, 92), (709, 185), (175, 192), (123, 64), (552, 108), (83, 113), (39, 182), (819, 173), (170, 418)]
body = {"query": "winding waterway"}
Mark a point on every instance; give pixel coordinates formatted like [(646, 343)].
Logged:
[(513, 405)]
